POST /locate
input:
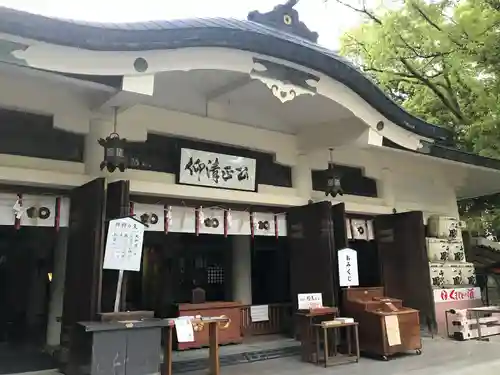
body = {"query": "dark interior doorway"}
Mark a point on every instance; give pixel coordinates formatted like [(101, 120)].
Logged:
[(368, 262), (172, 264), (26, 271), (270, 270)]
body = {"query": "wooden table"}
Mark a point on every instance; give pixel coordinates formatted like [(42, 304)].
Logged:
[(477, 314), (352, 333), (213, 334)]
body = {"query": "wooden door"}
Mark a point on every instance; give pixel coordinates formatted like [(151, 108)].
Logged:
[(118, 200), (340, 239), (117, 206), (312, 261), (339, 226), (403, 261), (82, 290)]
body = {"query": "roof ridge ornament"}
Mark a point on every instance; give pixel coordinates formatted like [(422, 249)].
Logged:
[(284, 17)]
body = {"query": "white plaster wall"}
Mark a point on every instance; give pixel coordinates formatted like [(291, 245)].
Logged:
[(242, 269), (68, 103), (406, 182), (57, 290)]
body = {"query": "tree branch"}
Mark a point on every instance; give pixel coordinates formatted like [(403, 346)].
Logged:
[(364, 10), (399, 74), (434, 88), (435, 25), (451, 94)]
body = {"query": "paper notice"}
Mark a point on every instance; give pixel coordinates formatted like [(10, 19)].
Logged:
[(309, 301), (184, 330), (392, 330), (259, 313)]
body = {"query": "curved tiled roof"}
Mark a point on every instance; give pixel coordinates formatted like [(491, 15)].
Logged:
[(218, 32)]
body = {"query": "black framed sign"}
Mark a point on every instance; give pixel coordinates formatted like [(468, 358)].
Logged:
[(217, 170)]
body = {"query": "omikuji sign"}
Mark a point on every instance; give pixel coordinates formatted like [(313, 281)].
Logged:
[(348, 267), (217, 170)]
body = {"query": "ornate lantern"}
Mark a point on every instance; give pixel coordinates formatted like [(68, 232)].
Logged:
[(333, 183), (114, 150)]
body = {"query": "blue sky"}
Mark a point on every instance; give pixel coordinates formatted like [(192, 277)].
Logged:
[(329, 20)]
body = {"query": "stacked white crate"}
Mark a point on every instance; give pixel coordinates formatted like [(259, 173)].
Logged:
[(445, 250)]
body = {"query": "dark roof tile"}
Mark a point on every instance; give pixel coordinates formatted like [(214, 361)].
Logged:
[(215, 32)]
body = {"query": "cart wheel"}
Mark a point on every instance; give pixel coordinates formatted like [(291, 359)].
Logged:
[(385, 358), (418, 351)]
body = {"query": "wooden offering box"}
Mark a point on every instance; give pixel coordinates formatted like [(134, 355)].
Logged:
[(385, 326), (229, 333)]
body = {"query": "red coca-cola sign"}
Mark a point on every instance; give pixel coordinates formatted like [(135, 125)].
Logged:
[(456, 294)]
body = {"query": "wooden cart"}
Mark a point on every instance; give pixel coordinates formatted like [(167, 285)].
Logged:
[(386, 327)]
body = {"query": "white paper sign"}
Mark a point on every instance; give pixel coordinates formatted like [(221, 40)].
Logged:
[(124, 245), (392, 330), (217, 170), (348, 267), (309, 301), (184, 329), (259, 313)]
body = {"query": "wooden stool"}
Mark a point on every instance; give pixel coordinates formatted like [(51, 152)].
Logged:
[(305, 321), (352, 332)]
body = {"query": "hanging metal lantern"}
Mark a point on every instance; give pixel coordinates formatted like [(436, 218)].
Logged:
[(333, 179), (114, 153), (114, 150)]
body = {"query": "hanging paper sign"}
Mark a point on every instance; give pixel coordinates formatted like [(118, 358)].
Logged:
[(184, 329), (259, 313), (348, 267), (18, 211), (124, 245)]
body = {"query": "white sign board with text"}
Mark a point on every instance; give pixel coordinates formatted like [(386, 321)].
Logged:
[(124, 245), (457, 294), (309, 301), (348, 267), (217, 170)]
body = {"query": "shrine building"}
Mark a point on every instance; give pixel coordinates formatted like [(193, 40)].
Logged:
[(252, 153)]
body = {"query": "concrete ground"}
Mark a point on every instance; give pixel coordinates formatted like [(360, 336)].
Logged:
[(439, 357)]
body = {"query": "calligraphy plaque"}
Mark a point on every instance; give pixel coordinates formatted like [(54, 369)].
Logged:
[(348, 267), (124, 245), (217, 170)]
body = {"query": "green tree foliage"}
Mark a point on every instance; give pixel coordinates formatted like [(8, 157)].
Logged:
[(440, 60)]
